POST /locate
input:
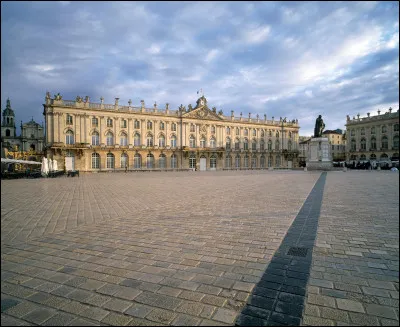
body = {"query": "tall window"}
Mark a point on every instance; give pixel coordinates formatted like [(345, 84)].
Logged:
[(137, 161), (262, 162), (363, 144), (192, 161), (228, 143), (123, 140), (270, 133), (123, 123), (254, 161), (276, 145), (384, 142), (192, 128), (254, 132), (237, 144), (149, 125), (254, 145), (173, 127), (110, 138), (289, 145), (278, 161), (161, 161), (372, 157), (246, 132), (69, 119), (136, 124), (192, 141), (213, 161), (353, 145), (396, 142), (212, 143), (228, 131), (396, 127), (69, 137), (161, 141), (262, 133), (174, 161), (228, 161), (290, 134), (109, 122), (269, 145), (149, 139), (95, 122), (384, 129), (212, 129), (246, 161), (277, 134), (352, 132), (124, 160), (203, 142), (95, 138), (270, 161), (237, 131), (136, 139), (372, 130), (237, 161), (150, 161), (262, 145), (110, 161), (173, 141), (95, 161), (362, 131), (162, 126), (246, 144)]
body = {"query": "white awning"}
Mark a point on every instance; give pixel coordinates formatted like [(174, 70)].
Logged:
[(6, 160)]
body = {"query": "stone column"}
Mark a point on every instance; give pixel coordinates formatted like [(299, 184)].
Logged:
[(143, 127)]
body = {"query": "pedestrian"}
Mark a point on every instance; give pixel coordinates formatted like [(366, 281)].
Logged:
[(126, 168)]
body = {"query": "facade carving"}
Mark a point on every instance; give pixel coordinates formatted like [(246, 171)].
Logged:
[(103, 136)]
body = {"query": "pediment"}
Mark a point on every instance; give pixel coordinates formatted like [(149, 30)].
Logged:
[(202, 112)]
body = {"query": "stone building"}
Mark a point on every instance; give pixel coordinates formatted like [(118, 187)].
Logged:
[(337, 142), (102, 136), (373, 138)]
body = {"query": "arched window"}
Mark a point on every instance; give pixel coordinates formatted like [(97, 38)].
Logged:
[(173, 141), (228, 162), (110, 161), (174, 162), (228, 131), (149, 139), (289, 145), (213, 162), (136, 124), (277, 134), (124, 160), (362, 131), (373, 143), (384, 157), (69, 137), (396, 127), (149, 125), (363, 144), (173, 127), (137, 161), (203, 142), (192, 141), (228, 143), (212, 143), (109, 122), (162, 126), (262, 133), (136, 139), (270, 133), (237, 144), (396, 142), (353, 145), (95, 161), (254, 161), (278, 161), (246, 132), (353, 157), (123, 123), (254, 145), (192, 128), (123, 141), (95, 138), (262, 161), (372, 156), (270, 161), (384, 142), (161, 161), (372, 130), (8, 120), (384, 129), (212, 129), (8, 133), (246, 144), (269, 145), (150, 161), (262, 145), (161, 141), (110, 138), (352, 132), (276, 145), (290, 134), (246, 161), (237, 161)]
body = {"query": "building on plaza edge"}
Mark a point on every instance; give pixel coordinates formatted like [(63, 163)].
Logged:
[(373, 138), (102, 136)]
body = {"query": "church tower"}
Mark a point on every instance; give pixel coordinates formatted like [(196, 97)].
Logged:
[(8, 124)]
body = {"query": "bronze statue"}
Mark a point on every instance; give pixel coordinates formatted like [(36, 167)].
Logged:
[(319, 127)]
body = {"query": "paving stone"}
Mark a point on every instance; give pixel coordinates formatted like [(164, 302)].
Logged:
[(74, 307), (8, 303), (60, 319), (334, 314), (40, 315), (190, 308), (20, 309), (349, 305), (161, 315), (186, 320), (225, 316), (138, 310), (83, 322), (116, 319), (316, 321), (94, 313), (363, 319), (381, 311)]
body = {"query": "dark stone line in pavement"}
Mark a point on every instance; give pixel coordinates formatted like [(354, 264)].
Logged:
[(8, 303), (278, 298)]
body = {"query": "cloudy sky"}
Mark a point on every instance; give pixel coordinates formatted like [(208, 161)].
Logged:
[(289, 59)]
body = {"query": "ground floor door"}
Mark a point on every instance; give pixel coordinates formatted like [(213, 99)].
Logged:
[(192, 162), (69, 163), (203, 164), (290, 164)]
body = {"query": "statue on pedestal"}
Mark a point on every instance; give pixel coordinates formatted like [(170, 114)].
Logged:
[(319, 127)]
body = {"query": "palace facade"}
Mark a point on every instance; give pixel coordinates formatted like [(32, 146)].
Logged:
[(100, 136), (373, 138)]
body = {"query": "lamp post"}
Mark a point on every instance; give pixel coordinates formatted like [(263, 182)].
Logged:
[(283, 121)]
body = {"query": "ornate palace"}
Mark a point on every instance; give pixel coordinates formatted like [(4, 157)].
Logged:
[(101, 136)]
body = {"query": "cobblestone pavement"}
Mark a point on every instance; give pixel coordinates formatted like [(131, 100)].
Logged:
[(194, 248)]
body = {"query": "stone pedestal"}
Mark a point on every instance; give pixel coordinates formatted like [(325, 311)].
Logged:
[(319, 156)]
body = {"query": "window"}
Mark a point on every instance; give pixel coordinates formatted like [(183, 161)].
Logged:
[(161, 126), (192, 161), (237, 144), (69, 137), (254, 145), (123, 123), (363, 157), (174, 161), (237, 161), (262, 162), (212, 143), (384, 157), (270, 161), (396, 142), (262, 145), (384, 142), (212, 129), (228, 131), (110, 161), (372, 130), (137, 161), (124, 160), (213, 162), (150, 161), (137, 124), (110, 138), (254, 132), (353, 145), (203, 142), (373, 143), (352, 132), (333, 147), (262, 133), (173, 127), (95, 122), (173, 141), (161, 161), (270, 133), (289, 145), (228, 161), (136, 139), (192, 128), (278, 161), (246, 132), (276, 145), (109, 122), (290, 135), (254, 162), (95, 161), (95, 138), (149, 125), (396, 127), (277, 134), (363, 144), (246, 161), (192, 141), (8, 133), (149, 139), (384, 129), (69, 119), (245, 144), (161, 141), (362, 131), (123, 140), (372, 157), (237, 131), (228, 143), (269, 145)]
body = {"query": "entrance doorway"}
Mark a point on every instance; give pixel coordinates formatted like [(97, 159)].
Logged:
[(192, 162), (290, 164), (203, 164)]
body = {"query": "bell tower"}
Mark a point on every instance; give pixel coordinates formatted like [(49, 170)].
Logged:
[(8, 123)]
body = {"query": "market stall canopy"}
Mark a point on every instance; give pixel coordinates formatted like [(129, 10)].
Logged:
[(6, 160)]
